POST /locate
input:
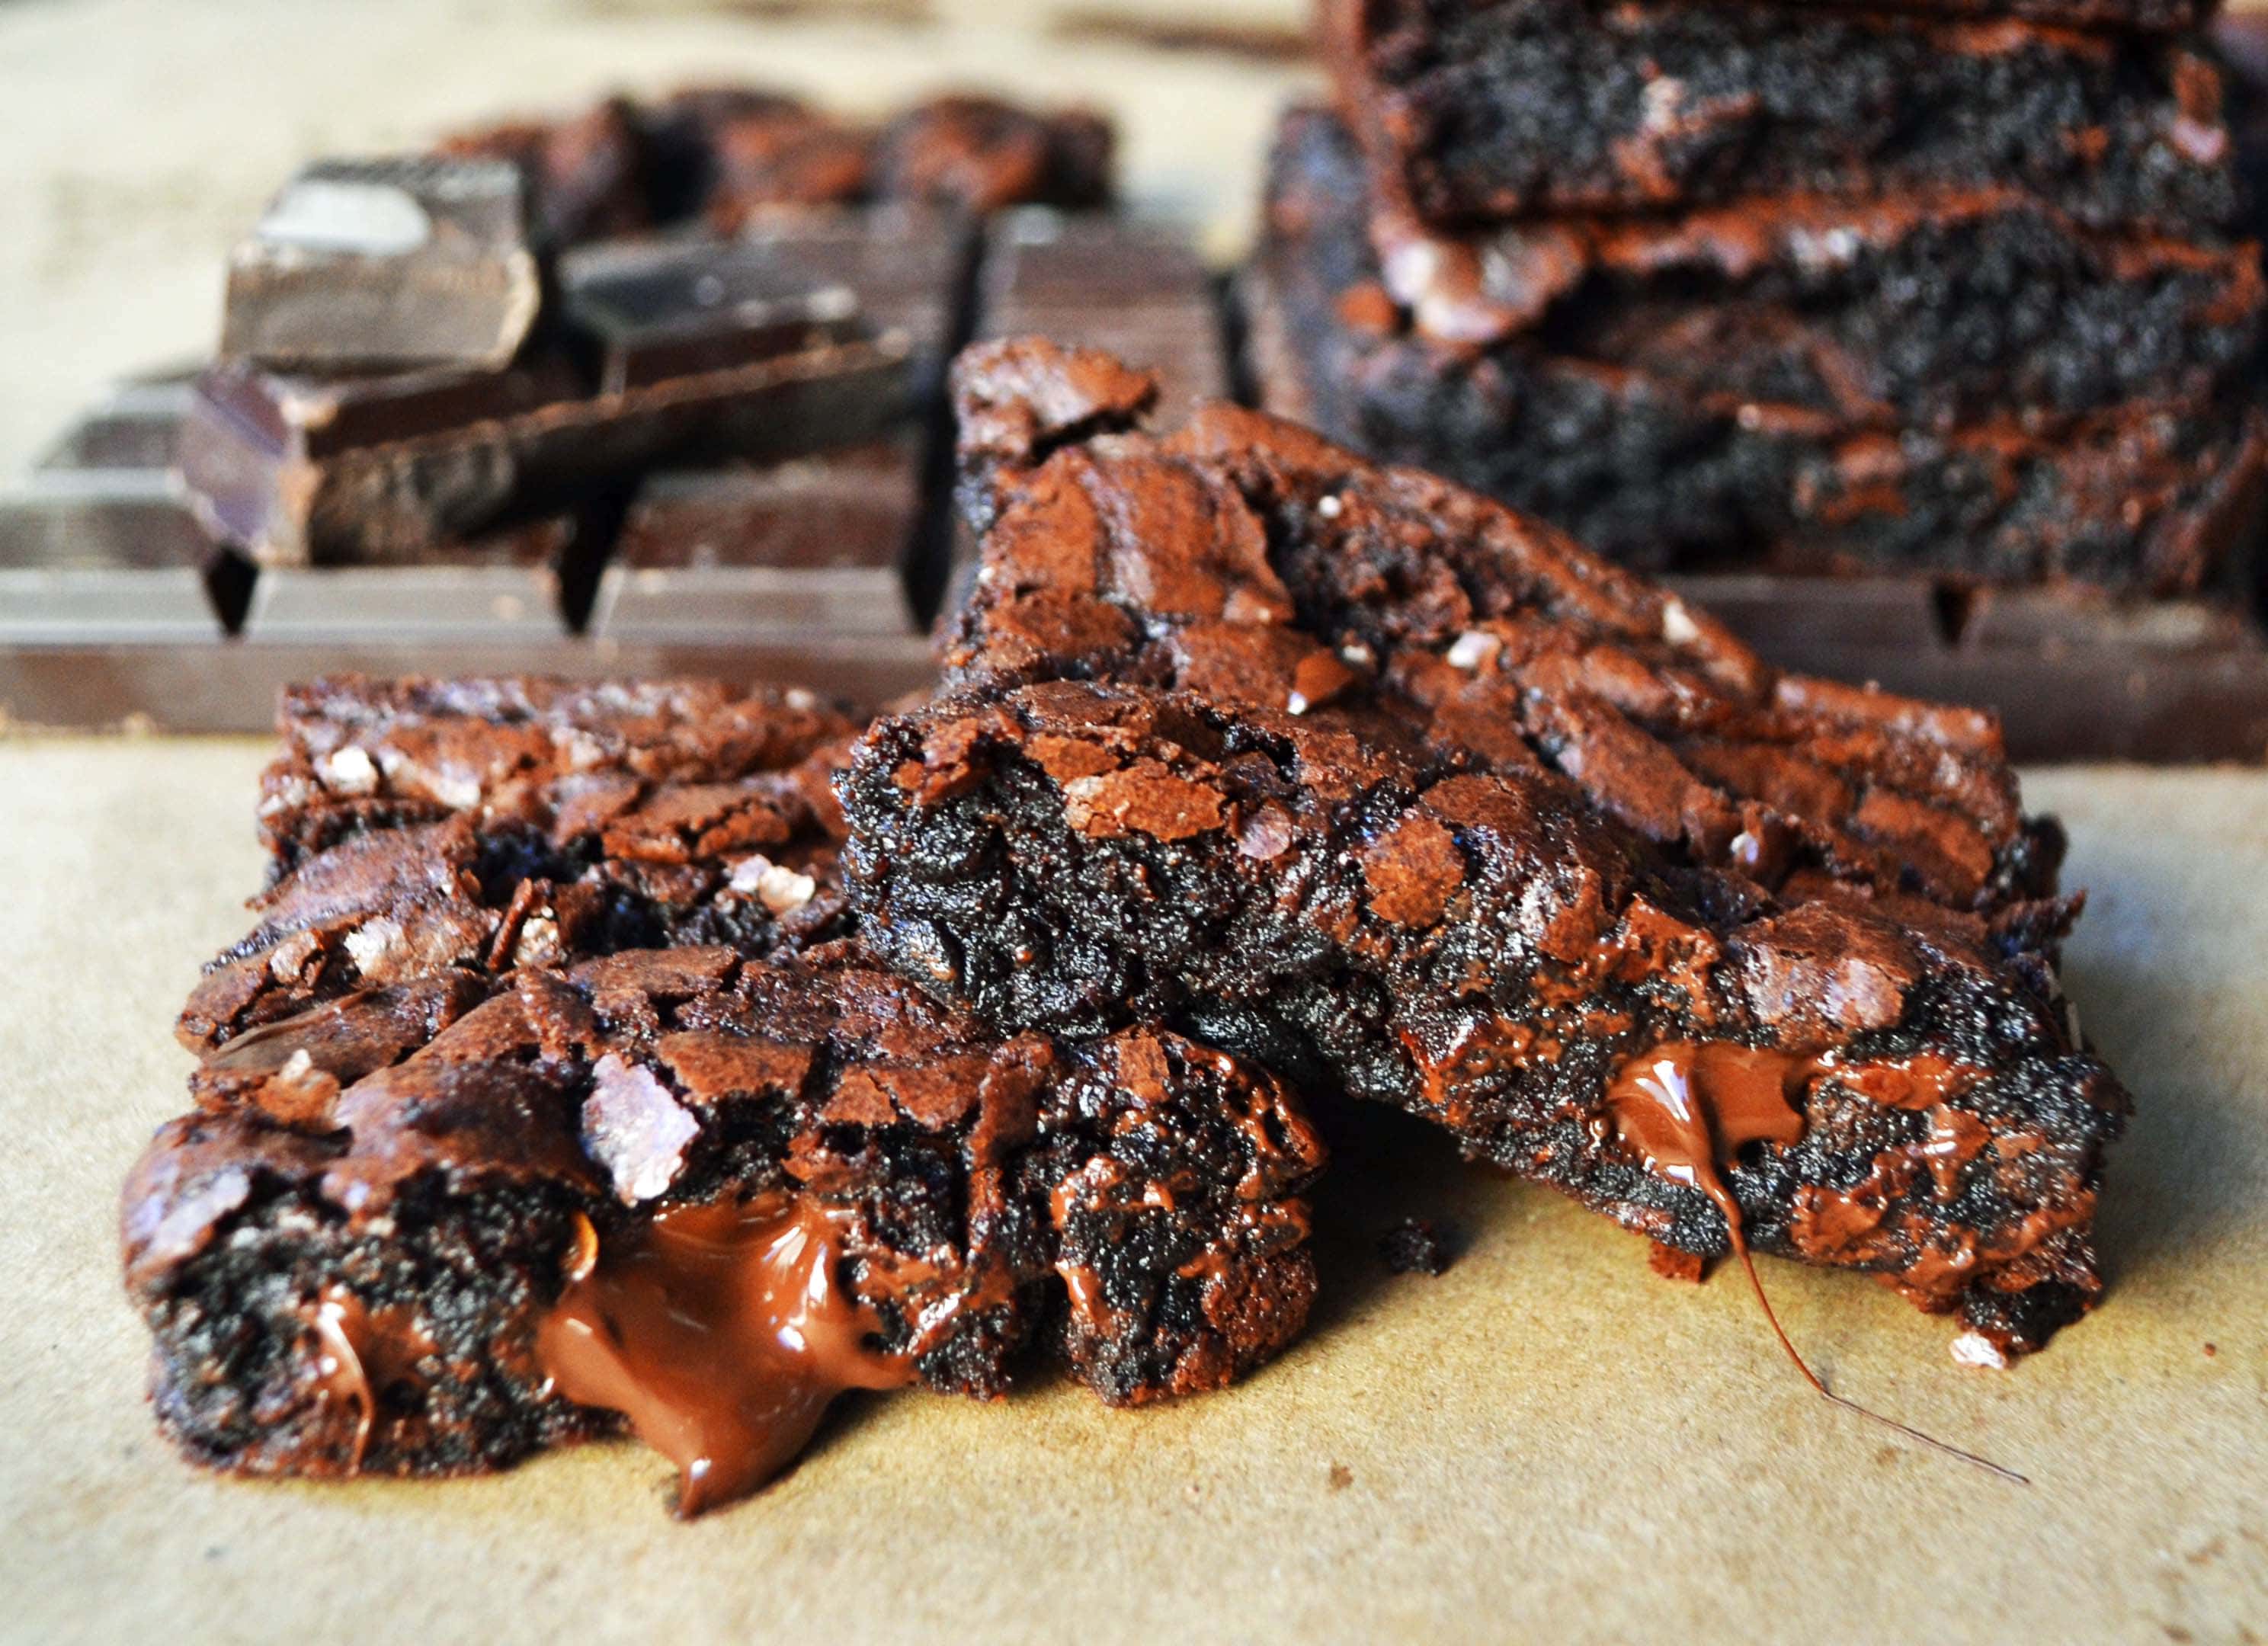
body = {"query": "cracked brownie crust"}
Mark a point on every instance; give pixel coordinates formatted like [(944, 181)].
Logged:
[(1397, 792), (426, 828)]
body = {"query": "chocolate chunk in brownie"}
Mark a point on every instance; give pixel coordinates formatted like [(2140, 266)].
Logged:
[(1662, 470), (704, 1194), (1475, 111), (470, 826), (1397, 792)]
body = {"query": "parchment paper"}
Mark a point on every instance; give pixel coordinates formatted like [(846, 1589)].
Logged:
[(1549, 1440)]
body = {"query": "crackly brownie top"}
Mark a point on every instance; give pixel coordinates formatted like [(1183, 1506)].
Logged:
[(1253, 563), (415, 749), (472, 826)]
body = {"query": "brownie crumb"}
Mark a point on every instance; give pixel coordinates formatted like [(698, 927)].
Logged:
[(1341, 1477), (1672, 1264), (1416, 1246)]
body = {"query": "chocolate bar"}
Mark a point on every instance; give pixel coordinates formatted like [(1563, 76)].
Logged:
[(652, 311), (818, 544), (382, 469), (393, 262), (98, 542), (1098, 282), (136, 426), (527, 582), (108, 556)]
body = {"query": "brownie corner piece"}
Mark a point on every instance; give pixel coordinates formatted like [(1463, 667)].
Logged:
[(1399, 793)]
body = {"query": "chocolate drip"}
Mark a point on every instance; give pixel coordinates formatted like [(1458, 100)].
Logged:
[(723, 1333), (1686, 1109)]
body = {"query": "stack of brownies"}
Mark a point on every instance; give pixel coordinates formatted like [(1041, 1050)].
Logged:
[(668, 1057), (1959, 287)]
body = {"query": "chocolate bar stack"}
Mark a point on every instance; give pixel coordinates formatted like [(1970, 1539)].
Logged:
[(1959, 289), (654, 388)]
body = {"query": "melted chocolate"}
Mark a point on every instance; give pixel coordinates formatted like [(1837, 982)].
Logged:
[(1924, 1081), (1686, 1109), (362, 1352), (723, 1333)]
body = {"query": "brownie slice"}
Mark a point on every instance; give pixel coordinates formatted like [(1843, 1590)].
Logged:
[(1480, 109), (1918, 310), (470, 826), (1399, 793), (708, 1195), (728, 153), (1664, 472)]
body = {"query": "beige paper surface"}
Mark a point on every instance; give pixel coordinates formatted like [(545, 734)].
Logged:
[(1546, 1441)]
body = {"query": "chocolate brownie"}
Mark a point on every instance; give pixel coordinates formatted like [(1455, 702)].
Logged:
[(727, 155), (1906, 311), (981, 154), (730, 152), (1397, 792), (588, 175), (361, 752), (1666, 473), (425, 828), (1478, 109), (708, 1195)]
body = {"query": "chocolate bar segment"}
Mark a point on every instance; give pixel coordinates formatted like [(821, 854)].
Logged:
[(102, 557), (360, 264), (97, 543), (527, 583), (384, 469), (137, 426), (667, 311), (817, 544)]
